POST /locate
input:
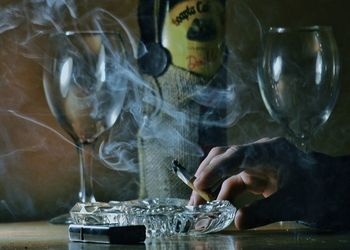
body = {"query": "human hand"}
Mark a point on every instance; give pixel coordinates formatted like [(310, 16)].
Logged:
[(311, 187)]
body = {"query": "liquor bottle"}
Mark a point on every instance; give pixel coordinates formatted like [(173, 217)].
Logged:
[(193, 33), (184, 42)]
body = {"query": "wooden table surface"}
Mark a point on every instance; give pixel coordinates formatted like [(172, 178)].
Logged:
[(42, 235)]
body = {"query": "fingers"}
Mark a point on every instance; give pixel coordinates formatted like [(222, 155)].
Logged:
[(222, 163), (231, 188), (237, 184), (274, 153), (217, 168), (280, 206), (196, 199), (251, 181), (213, 153)]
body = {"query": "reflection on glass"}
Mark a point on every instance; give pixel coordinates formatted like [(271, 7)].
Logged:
[(203, 242), (211, 241)]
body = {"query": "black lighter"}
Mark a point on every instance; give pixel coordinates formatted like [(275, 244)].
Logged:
[(107, 234)]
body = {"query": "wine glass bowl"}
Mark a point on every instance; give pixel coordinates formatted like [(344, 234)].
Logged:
[(298, 78), (85, 89)]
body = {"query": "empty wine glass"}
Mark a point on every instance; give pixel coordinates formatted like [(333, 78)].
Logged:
[(85, 89), (298, 78)]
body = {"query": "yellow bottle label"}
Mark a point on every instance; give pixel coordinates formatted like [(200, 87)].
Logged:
[(193, 32)]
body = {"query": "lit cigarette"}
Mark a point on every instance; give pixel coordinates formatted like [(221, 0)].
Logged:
[(180, 171)]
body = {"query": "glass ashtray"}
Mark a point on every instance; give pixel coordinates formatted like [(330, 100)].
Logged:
[(162, 217)]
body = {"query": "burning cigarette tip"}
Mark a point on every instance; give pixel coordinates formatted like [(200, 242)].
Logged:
[(180, 171), (176, 165)]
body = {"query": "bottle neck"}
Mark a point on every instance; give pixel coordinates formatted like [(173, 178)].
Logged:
[(151, 14)]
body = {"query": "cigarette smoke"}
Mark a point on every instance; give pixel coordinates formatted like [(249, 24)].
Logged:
[(26, 25)]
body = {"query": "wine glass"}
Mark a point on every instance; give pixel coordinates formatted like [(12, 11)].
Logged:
[(298, 78), (85, 90)]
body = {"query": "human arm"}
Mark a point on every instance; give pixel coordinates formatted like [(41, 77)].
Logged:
[(309, 187)]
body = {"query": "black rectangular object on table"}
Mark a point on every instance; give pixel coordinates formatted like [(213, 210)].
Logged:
[(107, 234)]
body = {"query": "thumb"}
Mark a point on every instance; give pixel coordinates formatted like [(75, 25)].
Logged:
[(280, 206)]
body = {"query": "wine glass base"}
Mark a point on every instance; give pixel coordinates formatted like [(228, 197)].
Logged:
[(63, 219)]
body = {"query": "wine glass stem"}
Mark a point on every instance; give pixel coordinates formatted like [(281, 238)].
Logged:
[(304, 146), (301, 143), (86, 187)]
